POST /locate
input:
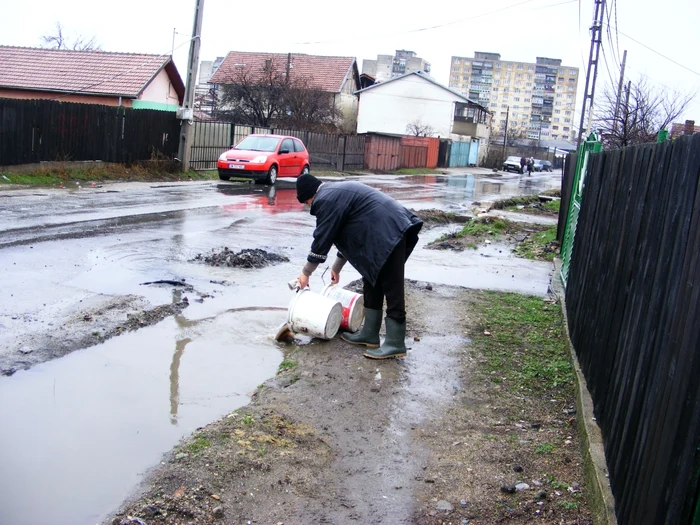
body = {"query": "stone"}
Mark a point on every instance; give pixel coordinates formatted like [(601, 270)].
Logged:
[(508, 489), (517, 468), (541, 494), (522, 486), (444, 505), (218, 512)]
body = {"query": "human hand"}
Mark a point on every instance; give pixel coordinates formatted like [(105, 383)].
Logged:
[(303, 281), (335, 277)]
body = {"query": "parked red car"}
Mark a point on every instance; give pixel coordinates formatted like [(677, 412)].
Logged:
[(264, 158)]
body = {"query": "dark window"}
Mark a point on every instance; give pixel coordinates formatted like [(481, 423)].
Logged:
[(287, 144), (298, 146)]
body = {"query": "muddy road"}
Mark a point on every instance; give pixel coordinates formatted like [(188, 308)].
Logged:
[(116, 340)]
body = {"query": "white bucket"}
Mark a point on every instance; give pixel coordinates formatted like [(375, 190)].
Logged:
[(314, 314), (353, 306)]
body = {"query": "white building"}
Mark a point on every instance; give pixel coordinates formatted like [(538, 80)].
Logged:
[(392, 106)]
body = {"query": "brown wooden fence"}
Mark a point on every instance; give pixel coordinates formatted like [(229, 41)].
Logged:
[(47, 130), (326, 150), (633, 305), (391, 152)]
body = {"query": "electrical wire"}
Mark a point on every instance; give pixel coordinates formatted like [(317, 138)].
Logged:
[(658, 53), (438, 26)]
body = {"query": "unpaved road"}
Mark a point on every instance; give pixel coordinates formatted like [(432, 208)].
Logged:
[(75, 266)]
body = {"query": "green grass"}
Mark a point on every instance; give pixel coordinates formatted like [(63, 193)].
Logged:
[(200, 443), (526, 346), (247, 420), (286, 365), (479, 228), (68, 177), (415, 171), (539, 246), (545, 448)]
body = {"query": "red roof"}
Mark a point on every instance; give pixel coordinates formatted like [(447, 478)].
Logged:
[(326, 73), (84, 72)]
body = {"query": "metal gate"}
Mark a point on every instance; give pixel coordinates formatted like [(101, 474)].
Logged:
[(474, 153), (459, 154), (585, 149)]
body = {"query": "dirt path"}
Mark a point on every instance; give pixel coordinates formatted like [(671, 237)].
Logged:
[(337, 438)]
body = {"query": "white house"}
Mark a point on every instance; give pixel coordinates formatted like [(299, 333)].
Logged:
[(391, 106)]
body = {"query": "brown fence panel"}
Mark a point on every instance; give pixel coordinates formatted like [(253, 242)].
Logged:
[(433, 151), (382, 152)]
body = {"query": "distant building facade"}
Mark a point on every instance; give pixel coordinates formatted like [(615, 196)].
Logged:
[(386, 67), (537, 98)]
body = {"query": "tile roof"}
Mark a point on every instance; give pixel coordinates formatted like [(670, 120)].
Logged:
[(86, 72), (326, 73)]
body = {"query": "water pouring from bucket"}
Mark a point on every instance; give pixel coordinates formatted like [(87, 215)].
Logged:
[(312, 314)]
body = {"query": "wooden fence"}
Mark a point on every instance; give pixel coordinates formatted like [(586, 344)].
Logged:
[(633, 304), (47, 130), (391, 152), (326, 150)]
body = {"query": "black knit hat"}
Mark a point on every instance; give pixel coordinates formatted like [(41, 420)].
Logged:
[(306, 187)]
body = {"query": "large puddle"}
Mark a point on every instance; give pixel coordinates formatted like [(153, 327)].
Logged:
[(79, 432)]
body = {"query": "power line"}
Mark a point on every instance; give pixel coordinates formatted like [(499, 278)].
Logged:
[(438, 26), (658, 53)]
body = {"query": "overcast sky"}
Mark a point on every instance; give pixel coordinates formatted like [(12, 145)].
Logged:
[(517, 29)]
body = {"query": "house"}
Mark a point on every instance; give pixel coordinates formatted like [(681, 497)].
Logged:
[(138, 81), (337, 76), (386, 67), (684, 128), (415, 103)]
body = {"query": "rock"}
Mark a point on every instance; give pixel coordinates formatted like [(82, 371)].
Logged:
[(520, 237), (444, 505), (218, 512), (522, 486), (429, 287), (541, 494), (150, 511), (517, 468), (25, 351), (181, 455), (508, 489), (463, 503)]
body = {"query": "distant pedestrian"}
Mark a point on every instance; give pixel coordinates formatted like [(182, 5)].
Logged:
[(523, 163), (530, 166)]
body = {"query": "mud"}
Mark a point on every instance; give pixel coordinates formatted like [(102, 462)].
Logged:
[(433, 216), (336, 438), (247, 258)]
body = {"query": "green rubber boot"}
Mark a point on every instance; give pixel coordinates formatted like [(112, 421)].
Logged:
[(394, 344), (368, 335)]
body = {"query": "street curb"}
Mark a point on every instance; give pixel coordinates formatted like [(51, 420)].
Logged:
[(595, 469)]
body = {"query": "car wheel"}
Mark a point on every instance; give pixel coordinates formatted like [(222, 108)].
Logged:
[(224, 177), (271, 175), (305, 171)]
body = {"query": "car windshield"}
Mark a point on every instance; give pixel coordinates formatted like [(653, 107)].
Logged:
[(253, 143), (513, 159)]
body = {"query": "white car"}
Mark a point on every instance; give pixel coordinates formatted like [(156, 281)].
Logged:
[(512, 163)]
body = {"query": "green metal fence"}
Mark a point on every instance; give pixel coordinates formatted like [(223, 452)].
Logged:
[(590, 145)]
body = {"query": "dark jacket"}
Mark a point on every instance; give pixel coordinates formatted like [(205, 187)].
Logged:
[(363, 223)]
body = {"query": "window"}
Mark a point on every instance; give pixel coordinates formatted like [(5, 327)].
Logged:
[(560, 79), (556, 119), (572, 80), (527, 100), (520, 66), (529, 84), (498, 65), (567, 112), (570, 88), (519, 75), (557, 103), (298, 146), (569, 97), (495, 89), (504, 105), (566, 128), (287, 144), (555, 127), (567, 120), (509, 66), (572, 71), (565, 137), (557, 111), (558, 95), (530, 68), (517, 99), (503, 121)]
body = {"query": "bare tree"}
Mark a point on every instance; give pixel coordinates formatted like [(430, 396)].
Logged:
[(639, 115), (59, 40), (418, 129), (267, 96)]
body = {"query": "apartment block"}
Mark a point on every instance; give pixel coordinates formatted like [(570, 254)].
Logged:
[(538, 98), (386, 67)]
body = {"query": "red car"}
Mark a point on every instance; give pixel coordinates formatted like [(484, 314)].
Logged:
[(264, 158)]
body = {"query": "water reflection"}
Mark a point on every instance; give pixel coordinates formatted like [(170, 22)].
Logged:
[(269, 199)]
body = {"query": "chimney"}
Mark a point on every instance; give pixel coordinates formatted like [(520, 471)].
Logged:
[(689, 127)]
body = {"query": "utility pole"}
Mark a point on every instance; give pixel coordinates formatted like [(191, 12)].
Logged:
[(186, 112), (505, 133), (619, 91), (592, 73)]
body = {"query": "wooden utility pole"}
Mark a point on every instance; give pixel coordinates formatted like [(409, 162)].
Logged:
[(187, 110), (619, 91), (505, 133), (592, 73)]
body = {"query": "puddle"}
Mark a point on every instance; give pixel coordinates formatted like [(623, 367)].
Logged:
[(86, 427)]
